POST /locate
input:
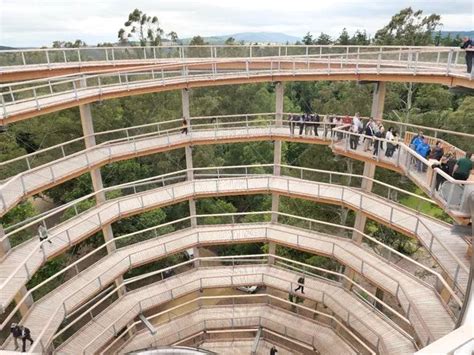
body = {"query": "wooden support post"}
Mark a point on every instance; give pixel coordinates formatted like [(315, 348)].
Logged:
[(279, 93), (26, 305), (5, 245), (88, 131), (189, 153)]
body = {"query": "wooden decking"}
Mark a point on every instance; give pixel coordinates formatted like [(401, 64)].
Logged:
[(245, 316), (254, 72), (35, 180), (83, 286), (119, 313), (80, 227)]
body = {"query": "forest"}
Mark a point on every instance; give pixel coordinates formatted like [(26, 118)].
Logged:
[(423, 104)]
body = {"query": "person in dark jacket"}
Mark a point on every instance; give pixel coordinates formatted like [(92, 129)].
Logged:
[(273, 350), (446, 164), (380, 134), (437, 152), (468, 44), (15, 330), (316, 121), (301, 284), (184, 126), (301, 120), (26, 335)]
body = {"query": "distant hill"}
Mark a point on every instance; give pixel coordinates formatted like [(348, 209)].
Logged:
[(251, 37), (461, 34), (4, 48)]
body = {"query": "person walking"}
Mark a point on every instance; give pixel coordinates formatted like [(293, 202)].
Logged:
[(26, 335), (43, 235), (273, 350), (467, 44), (301, 285), (15, 330), (354, 134), (463, 167), (184, 126)]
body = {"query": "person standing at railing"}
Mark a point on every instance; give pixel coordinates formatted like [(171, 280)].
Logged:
[(301, 124), (463, 167), (389, 136), (423, 149), (308, 124), (467, 43), (326, 125), (368, 134), (437, 152), (378, 143), (354, 133), (292, 123), (446, 164), (184, 126), (316, 121)]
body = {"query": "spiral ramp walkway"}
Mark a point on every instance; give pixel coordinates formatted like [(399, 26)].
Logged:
[(96, 311)]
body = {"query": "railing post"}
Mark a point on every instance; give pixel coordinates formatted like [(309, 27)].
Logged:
[(450, 58)]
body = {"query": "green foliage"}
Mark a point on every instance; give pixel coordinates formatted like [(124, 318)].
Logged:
[(392, 238), (50, 268), (18, 213), (408, 27), (141, 27)]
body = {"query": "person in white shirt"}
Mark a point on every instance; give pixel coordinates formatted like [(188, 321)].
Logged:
[(390, 137)]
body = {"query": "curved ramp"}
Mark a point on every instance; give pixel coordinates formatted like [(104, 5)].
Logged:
[(283, 322), (410, 292), (125, 309), (23, 260)]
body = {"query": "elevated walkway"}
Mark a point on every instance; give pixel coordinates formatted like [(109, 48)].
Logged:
[(28, 180), (409, 290), (26, 64), (447, 248), (24, 100), (121, 312), (288, 324)]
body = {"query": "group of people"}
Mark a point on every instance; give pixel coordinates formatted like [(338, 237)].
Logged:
[(367, 135), (22, 333), (458, 169), (309, 123)]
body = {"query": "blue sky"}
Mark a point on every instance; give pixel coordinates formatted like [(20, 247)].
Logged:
[(39, 22)]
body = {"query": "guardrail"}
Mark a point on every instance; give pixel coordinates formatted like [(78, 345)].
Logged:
[(238, 260), (50, 154), (51, 57), (200, 303), (28, 265), (452, 194), (388, 256), (409, 62)]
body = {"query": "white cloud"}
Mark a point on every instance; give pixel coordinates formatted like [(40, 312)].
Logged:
[(39, 22)]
